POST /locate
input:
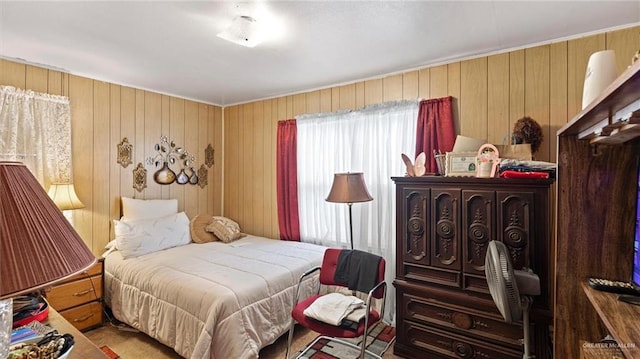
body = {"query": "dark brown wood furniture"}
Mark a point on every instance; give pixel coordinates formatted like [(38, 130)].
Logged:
[(444, 224), (615, 316), (83, 348), (79, 298), (595, 223)]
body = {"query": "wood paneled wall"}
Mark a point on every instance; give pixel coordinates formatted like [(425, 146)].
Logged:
[(102, 114), (491, 93)]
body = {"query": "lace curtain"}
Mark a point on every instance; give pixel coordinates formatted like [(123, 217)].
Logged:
[(369, 141), (36, 130)]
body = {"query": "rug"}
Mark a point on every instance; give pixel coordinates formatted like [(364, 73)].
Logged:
[(380, 338), (109, 353)]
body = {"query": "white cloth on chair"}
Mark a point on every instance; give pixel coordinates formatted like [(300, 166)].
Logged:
[(333, 308)]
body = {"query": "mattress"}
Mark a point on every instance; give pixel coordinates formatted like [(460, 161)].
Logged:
[(212, 300)]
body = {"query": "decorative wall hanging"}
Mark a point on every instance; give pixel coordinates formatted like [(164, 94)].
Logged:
[(139, 177), (203, 173), (169, 155), (124, 153), (208, 156)]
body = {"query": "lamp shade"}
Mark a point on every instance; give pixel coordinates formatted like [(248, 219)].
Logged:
[(64, 196), (601, 72), (349, 188), (38, 246)]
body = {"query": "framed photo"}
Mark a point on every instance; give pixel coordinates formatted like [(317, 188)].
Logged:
[(461, 164)]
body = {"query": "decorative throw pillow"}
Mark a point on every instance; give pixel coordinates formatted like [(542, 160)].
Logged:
[(198, 226), (137, 209), (135, 238), (225, 229)]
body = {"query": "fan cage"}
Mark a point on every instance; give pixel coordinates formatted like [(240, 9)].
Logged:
[(501, 281)]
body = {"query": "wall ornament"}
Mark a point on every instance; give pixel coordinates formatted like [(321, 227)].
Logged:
[(139, 177), (208, 156), (124, 153), (203, 173), (169, 155)]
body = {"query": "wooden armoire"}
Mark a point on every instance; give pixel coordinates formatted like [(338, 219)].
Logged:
[(444, 225)]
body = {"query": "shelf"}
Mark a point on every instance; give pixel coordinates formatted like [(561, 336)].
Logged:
[(618, 136), (618, 317), (606, 109)]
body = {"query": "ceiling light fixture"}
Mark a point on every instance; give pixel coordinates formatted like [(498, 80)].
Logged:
[(243, 31)]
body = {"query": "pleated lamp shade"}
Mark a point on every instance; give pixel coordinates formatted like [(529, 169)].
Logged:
[(38, 246), (64, 196), (348, 188)]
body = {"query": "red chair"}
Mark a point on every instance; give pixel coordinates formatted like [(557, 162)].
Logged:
[(327, 277)]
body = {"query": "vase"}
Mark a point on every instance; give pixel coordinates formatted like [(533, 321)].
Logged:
[(194, 177), (182, 177), (164, 175)]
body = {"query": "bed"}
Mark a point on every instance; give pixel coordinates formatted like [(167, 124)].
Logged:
[(211, 300)]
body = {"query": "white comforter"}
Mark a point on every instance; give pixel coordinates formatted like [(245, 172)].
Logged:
[(212, 300)]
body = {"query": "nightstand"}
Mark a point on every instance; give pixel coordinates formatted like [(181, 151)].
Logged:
[(79, 298), (83, 348)]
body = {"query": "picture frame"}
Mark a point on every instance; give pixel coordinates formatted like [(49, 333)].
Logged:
[(461, 164)]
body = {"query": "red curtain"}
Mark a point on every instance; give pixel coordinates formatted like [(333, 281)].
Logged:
[(436, 129), (287, 180)]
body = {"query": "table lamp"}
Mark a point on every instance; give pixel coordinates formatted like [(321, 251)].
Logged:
[(65, 198), (38, 246), (349, 188)]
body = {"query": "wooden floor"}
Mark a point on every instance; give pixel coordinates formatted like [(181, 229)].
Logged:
[(132, 345)]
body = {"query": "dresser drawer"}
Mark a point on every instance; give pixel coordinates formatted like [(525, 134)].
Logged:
[(464, 320), (433, 343), (84, 316), (95, 270), (74, 293)]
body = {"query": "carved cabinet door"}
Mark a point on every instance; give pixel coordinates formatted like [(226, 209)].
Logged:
[(445, 229), (477, 228), (515, 211), (414, 242)]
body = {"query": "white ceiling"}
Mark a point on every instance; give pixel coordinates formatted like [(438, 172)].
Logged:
[(171, 47)]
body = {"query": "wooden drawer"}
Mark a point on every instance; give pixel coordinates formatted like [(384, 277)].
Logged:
[(465, 321), (85, 316), (96, 269), (74, 293), (422, 341)]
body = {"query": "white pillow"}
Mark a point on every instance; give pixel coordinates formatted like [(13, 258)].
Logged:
[(135, 238), (137, 209), (110, 247)]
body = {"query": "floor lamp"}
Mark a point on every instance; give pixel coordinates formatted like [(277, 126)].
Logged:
[(349, 188)]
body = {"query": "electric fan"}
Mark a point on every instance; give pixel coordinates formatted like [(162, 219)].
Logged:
[(511, 290)]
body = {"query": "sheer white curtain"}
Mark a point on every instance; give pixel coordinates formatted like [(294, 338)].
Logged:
[(36, 130), (369, 141)]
